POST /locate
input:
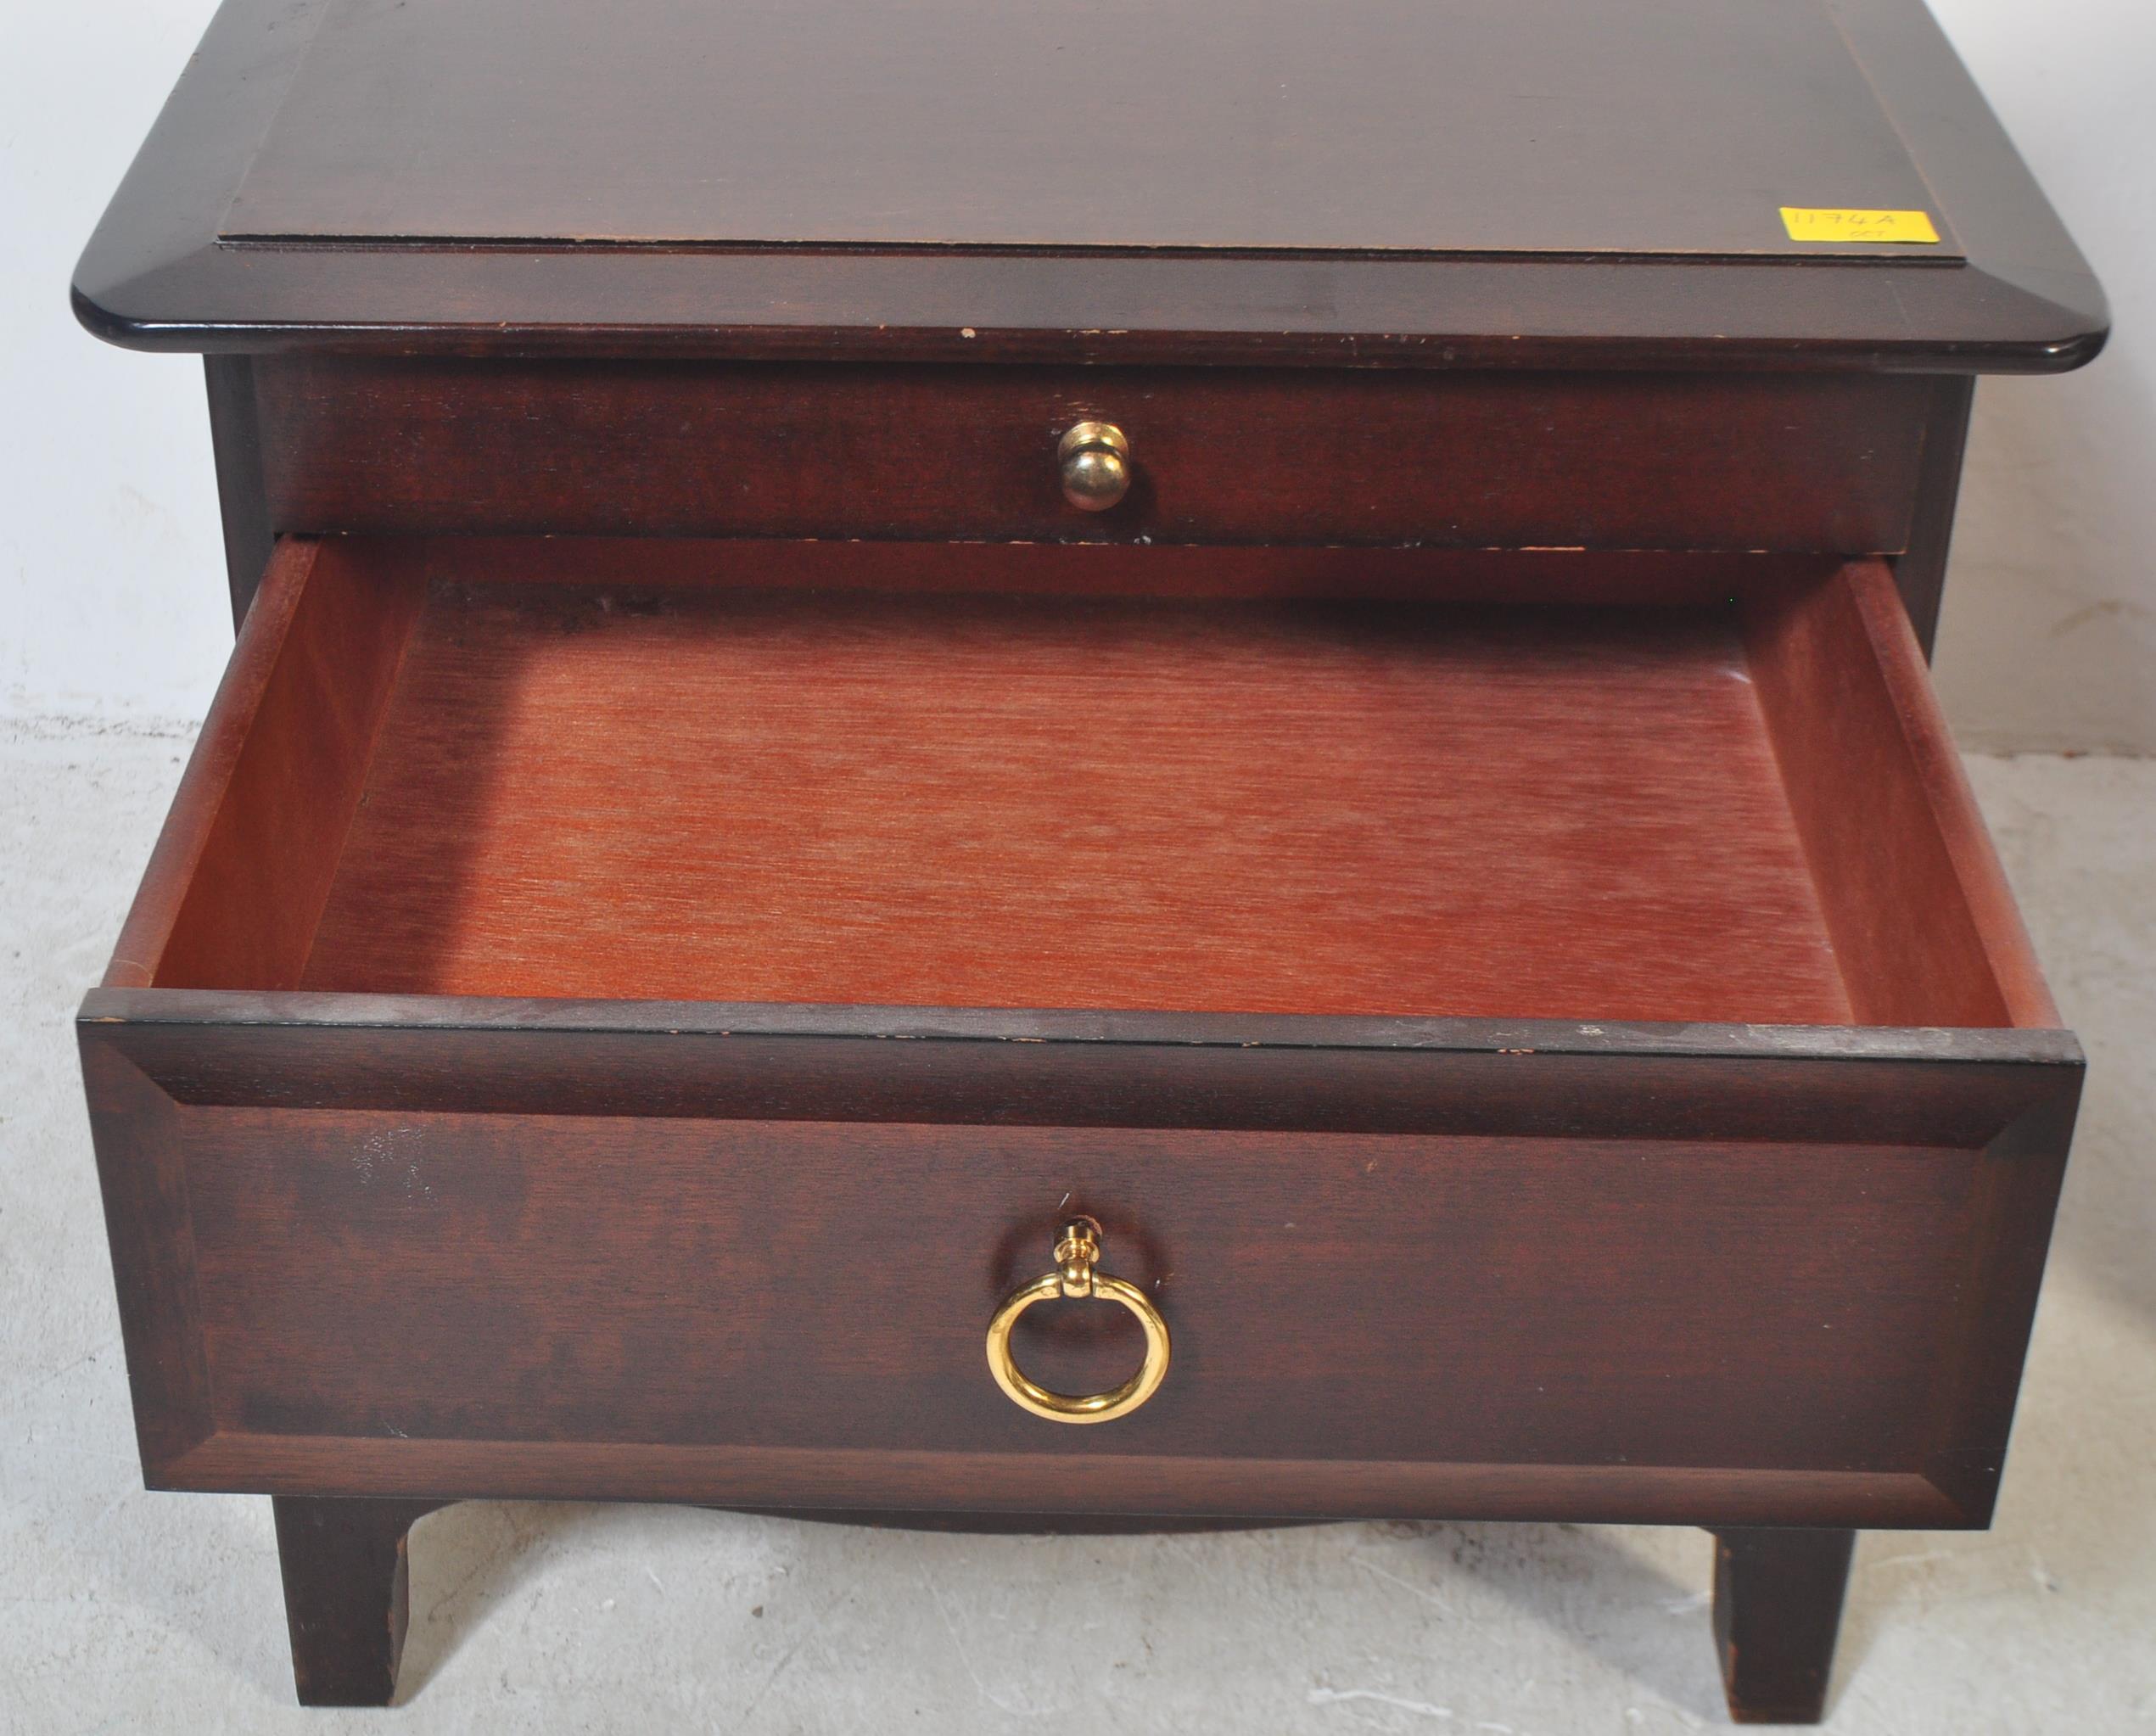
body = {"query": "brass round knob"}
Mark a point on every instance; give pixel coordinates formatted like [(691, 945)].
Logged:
[(1095, 461), (1077, 1248)]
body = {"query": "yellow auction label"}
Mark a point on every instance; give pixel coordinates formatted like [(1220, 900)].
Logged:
[(1859, 225)]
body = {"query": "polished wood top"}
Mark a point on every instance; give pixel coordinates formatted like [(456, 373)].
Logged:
[(1542, 182), (1654, 126)]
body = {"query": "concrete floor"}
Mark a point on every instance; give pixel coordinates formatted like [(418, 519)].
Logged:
[(121, 1609)]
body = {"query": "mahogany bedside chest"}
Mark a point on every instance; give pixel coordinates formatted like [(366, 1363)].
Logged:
[(1208, 719)]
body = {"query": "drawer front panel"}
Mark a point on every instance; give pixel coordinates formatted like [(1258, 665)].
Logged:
[(401, 1297), (1607, 461), (804, 1284)]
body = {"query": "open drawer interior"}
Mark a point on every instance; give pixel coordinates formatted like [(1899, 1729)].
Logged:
[(1563, 787)]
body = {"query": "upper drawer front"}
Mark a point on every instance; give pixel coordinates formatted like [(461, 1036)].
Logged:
[(1281, 456)]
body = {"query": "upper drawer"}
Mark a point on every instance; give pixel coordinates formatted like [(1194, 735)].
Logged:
[(1593, 461)]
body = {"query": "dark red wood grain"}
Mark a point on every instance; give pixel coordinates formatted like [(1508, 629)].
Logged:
[(235, 437), (160, 274), (1276, 807), (1264, 803), (347, 1595), (284, 765), (450, 1246), (1841, 683), (1778, 1598), (1220, 455), (1376, 1298), (1475, 639), (551, 1297), (977, 124)]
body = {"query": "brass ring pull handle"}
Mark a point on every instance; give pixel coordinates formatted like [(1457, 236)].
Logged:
[(1095, 461), (1077, 1248)]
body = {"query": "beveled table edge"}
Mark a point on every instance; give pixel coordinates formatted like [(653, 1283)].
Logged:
[(810, 1020), (156, 276)]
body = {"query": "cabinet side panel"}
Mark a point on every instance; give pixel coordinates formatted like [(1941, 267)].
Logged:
[(236, 439), (1920, 571)]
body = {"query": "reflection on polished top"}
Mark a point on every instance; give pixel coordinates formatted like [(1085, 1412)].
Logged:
[(1665, 126), (1548, 183)]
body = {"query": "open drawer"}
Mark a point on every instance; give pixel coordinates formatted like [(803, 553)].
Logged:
[(1548, 1032)]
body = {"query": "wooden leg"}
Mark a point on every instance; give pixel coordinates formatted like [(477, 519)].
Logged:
[(345, 1591), (1776, 1608)]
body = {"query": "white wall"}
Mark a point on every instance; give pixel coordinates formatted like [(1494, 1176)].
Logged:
[(2048, 639), (110, 554), (111, 560)]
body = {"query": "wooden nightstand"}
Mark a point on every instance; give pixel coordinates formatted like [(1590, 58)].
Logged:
[(1275, 647)]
